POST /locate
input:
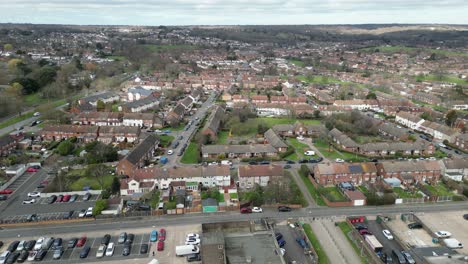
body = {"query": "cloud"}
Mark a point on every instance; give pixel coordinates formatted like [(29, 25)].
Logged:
[(180, 12)]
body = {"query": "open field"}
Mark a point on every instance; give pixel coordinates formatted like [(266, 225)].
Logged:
[(332, 153), (298, 63), (393, 49), (191, 154), (444, 78)]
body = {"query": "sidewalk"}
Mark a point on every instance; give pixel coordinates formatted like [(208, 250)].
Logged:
[(334, 242)]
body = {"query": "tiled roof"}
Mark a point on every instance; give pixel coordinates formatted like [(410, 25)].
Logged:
[(260, 170)]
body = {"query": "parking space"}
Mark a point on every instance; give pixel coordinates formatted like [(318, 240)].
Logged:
[(452, 222), (175, 237), (389, 245), (411, 237), (294, 252)]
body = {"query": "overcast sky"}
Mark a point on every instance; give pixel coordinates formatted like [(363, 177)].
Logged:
[(232, 12)]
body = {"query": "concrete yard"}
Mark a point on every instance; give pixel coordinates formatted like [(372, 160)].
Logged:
[(411, 237), (452, 222)]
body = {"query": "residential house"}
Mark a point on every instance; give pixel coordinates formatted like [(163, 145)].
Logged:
[(275, 141), (249, 175), (140, 105), (7, 144), (358, 104), (238, 151), (98, 119), (139, 119), (106, 97), (461, 141), (299, 129), (259, 99), (427, 98), (60, 132), (297, 100), (393, 132), (328, 174), (110, 134), (137, 157), (455, 169), (409, 120), (175, 115), (137, 93), (187, 103), (410, 172), (278, 99), (213, 123), (272, 109)]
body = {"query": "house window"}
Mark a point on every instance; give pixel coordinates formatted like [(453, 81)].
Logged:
[(220, 246)]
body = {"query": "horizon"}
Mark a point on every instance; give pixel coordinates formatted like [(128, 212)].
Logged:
[(233, 13)]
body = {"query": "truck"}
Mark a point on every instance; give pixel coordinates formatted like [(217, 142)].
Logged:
[(453, 243), (185, 250), (374, 244)]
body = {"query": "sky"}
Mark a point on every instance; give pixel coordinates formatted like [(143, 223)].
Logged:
[(232, 12)]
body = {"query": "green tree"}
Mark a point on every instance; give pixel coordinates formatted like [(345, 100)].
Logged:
[(99, 206), (65, 148), (8, 47), (115, 187), (100, 106), (371, 95), (451, 117), (426, 116), (98, 171), (316, 113)]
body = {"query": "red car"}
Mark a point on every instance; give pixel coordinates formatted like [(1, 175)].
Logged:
[(81, 242), (6, 191), (31, 169), (66, 198), (162, 234), (160, 245), (364, 232), (246, 210), (59, 199)]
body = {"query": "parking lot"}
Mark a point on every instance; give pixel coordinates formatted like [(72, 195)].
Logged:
[(411, 237), (452, 222), (294, 252), (388, 245), (176, 237)]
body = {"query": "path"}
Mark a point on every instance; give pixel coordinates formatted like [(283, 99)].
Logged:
[(308, 141), (334, 243), (304, 190)]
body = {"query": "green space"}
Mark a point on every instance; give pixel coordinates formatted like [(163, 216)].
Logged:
[(33, 99), (234, 196), (319, 79), (322, 256), (171, 204), (222, 137), (293, 156), (297, 62), (191, 154), (180, 127), (393, 49), (439, 190), (333, 194), (346, 229), (271, 121), (299, 147), (364, 190), (155, 48), (333, 154), (443, 78), (404, 194), (312, 190), (166, 140), (16, 119), (154, 201), (93, 183)]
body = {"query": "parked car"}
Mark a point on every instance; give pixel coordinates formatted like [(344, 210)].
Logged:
[(309, 153), (127, 249), (34, 194), (86, 197), (23, 256), (465, 216), (246, 210), (21, 245), (73, 198), (257, 210), (58, 253), (13, 246), (160, 245), (130, 238), (110, 250), (154, 236), (303, 161), (415, 226), (281, 242), (105, 239), (193, 257), (3, 197), (387, 259), (32, 255), (6, 191), (443, 234), (408, 257), (364, 232), (170, 152), (68, 215), (100, 252), (284, 209), (264, 162), (31, 169), (122, 238), (72, 242), (360, 226), (162, 234), (193, 235), (89, 212), (4, 256), (39, 243), (57, 243), (84, 252), (29, 201), (29, 245), (82, 213), (144, 248), (192, 241), (290, 162), (339, 160), (40, 255), (12, 258), (387, 234), (287, 166), (253, 163), (66, 198), (59, 198), (81, 241), (278, 235)]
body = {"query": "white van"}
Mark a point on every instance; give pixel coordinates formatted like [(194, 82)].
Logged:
[(226, 162), (161, 206), (186, 250)]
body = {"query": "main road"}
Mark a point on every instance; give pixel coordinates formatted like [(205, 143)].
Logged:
[(142, 222)]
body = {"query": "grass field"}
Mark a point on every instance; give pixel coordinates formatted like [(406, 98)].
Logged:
[(404, 194), (440, 190), (319, 79), (393, 49), (293, 157), (298, 63), (322, 256), (222, 137), (322, 146), (191, 154), (335, 194), (298, 146), (314, 192), (346, 229), (166, 140), (271, 121), (91, 182), (444, 78)]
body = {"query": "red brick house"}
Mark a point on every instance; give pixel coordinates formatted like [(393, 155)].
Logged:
[(335, 173), (59, 132), (408, 172), (213, 123), (137, 157)]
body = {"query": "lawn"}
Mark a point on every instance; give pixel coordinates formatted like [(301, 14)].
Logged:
[(298, 146), (16, 119), (234, 196), (363, 189), (319, 79), (444, 78), (314, 192), (322, 146), (91, 182), (222, 137), (154, 202), (180, 127), (33, 99), (404, 194), (346, 229), (191, 154), (292, 157), (322, 256), (166, 140), (271, 121), (439, 189), (336, 195), (297, 62)]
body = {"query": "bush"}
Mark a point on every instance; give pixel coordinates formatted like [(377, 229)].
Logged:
[(304, 171), (99, 206), (65, 148)]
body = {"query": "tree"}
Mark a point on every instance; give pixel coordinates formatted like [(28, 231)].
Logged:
[(99, 206), (98, 171), (100, 106), (29, 85), (115, 187), (65, 148), (15, 92), (317, 113), (371, 95), (262, 128), (8, 47), (13, 63), (426, 116), (451, 117)]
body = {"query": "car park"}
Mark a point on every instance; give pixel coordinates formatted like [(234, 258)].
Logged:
[(110, 250), (257, 210), (408, 257), (60, 198), (105, 239), (144, 248), (89, 212), (21, 245), (81, 241), (130, 238), (122, 238), (34, 194), (415, 226), (58, 253), (57, 243), (85, 251), (29, 245), (284, 209), (29, 201), (66, 198), (6, 191), (100, 252), (13, 245), (192, 241), (12, 258), (82, 213), (47, 243), (86, 197), (387, 234), (162, 234), (4, 256), (51, 199), (39, 243), (73, 198), (68, 215), (154, 236), (160, 245)]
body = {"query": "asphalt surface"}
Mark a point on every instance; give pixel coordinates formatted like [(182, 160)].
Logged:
[(388, 245), (294, 252)]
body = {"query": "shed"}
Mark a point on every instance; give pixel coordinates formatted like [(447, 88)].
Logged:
[(210, 205)]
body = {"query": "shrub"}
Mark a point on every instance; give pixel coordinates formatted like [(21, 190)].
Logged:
[(99, 206)]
